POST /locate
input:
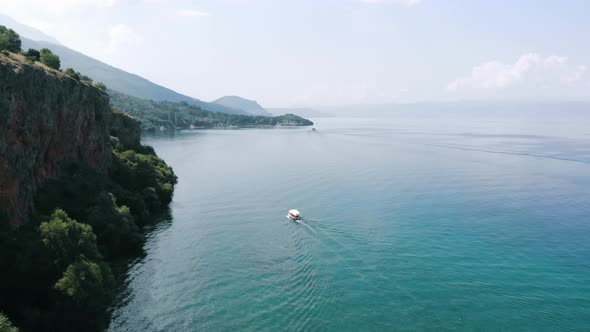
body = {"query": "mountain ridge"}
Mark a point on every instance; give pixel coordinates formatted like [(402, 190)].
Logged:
[(120, 80), (27, 31), (246, 105), (165, 115)]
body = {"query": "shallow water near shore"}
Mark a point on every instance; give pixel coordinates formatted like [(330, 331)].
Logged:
[(408, 224)]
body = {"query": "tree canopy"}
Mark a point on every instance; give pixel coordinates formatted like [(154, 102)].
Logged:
[(84, 280), (33, 55), (71, 72), (52, 60), (6, 325), (100, 86), (86, 79), (3, 42), (9, 40), (68, 239)]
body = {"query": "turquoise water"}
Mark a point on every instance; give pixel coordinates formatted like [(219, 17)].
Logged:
[(409, 224)]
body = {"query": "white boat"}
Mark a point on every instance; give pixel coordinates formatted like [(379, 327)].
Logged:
[(294, 215)]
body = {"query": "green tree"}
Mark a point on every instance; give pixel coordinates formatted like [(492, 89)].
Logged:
[(114, 226), (101, 86), (85, 290), (86, 79), (71, 72), (3, 42), (32, 54), (84, 280), (68, 239), (86, 283), (6, 325), (52, 60), (14, 42)]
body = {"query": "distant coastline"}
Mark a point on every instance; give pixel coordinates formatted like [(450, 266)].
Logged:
[(164, 115)]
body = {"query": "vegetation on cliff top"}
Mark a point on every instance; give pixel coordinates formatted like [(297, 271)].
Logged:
[(10, 41), (47, 57), (155, 114)]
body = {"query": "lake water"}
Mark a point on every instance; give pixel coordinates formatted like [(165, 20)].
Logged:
[(410, 223)]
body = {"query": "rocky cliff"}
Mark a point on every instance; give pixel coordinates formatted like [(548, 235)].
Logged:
[(46, 118), (78, 186), (125, 130)]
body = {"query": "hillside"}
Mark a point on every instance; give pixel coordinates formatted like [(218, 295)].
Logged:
[(120, 80), (26, 31), (154, 115), (248, 106)]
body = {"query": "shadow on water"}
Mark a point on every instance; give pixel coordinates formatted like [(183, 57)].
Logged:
[(122, 268)]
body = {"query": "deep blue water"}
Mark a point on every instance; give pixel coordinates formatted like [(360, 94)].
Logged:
[(409, 224)]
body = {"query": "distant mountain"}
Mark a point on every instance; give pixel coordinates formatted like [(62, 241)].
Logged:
[(120, 80), (115, 79), (26, 31), (305, 112), (158, 115), (248, 106)]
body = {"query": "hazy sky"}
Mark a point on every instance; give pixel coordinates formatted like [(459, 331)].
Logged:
[(317, 52)]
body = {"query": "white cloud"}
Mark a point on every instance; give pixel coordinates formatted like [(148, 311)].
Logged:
[(400, 2), (530, 71), (192, 13), (122, 37)]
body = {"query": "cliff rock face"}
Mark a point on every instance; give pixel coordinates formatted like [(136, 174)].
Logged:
[(46, 118), (126, 130)]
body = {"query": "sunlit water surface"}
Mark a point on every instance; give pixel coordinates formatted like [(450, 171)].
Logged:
[(409, 224)]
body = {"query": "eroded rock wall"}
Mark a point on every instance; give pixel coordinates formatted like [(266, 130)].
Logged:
[(46, 118)]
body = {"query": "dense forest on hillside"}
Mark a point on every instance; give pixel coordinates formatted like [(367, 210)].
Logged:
[(169, 115)]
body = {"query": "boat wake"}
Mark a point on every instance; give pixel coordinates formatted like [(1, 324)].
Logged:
[(513, 153), (307, 291), (342, 247)]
